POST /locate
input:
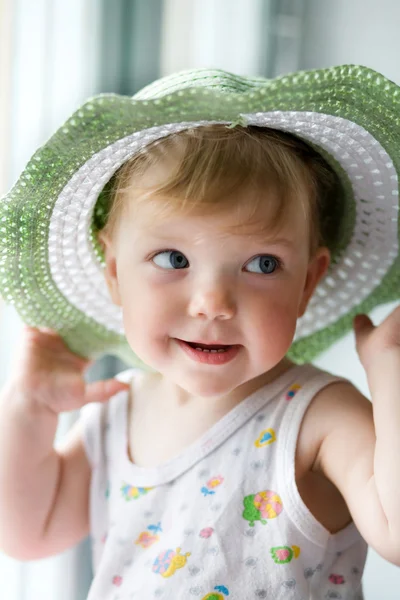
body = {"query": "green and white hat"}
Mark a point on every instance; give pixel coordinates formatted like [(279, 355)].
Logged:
[(51, 263)]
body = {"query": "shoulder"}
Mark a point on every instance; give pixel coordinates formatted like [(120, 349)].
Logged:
[(129, 375), (338, 415), (95, 416)]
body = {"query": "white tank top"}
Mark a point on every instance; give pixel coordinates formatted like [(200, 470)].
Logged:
[(222, 520)]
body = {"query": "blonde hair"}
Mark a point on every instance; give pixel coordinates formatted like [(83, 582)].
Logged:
[(216, 161)]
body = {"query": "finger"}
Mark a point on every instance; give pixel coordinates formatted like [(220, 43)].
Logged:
[(87, 363), (35, 330), (51, 336), (362, 327), (48, 331), (103, 390), (393, 317), (361, 322)]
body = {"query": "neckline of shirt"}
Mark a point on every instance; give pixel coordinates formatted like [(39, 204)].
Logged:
[(223, 428)]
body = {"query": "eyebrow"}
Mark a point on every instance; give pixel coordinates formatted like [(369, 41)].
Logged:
[(259, 239), (274, 241)]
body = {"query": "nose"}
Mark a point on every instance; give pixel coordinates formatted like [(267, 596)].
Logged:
[(213, 302)]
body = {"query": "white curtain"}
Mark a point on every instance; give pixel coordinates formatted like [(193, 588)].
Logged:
[(210, 33), (248, 37), (49, 65)]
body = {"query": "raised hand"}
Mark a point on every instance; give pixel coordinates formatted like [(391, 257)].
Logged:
[(47, 374), (373, 342)]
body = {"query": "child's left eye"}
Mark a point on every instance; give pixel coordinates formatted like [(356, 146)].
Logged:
[(268, 264)]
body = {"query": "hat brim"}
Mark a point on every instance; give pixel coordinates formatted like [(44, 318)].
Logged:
[(50, 259)]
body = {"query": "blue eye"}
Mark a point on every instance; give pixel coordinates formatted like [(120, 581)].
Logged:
[(171, 259), (268, 264)]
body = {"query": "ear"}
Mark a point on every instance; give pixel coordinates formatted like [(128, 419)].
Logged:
[(110, 270), (317, 268)]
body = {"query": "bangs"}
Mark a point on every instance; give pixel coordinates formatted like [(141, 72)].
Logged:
[(248, 170)]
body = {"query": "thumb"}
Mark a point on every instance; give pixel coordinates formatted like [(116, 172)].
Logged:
[(362, 328), (103, 390)]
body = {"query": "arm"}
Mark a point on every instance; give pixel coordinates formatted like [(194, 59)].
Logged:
[(359, 449), (29, 471), (383, 380), (43, 492)]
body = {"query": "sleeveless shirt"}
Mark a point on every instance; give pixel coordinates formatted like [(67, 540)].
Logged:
[(223, 519)]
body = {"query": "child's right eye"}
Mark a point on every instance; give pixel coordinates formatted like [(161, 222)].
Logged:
[(170, 259)]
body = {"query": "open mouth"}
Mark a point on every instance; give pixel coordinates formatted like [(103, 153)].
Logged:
[(210, 354), (208, 347)]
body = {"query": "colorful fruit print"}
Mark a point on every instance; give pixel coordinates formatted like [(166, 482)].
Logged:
[(206, 532), (284, 554), (168, 561), (337, 579), (146, 539), (266, 437), (292, 391), (268, 503), (155, 528), (117, 580), (219, 588), (130, 492), (212, 483), (261, 506)]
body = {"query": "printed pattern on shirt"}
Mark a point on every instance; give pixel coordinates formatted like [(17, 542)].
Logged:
[(219, 530)]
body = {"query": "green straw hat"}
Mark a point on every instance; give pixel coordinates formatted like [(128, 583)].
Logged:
[(51, 262)]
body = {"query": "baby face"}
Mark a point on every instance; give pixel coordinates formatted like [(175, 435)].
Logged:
[(187, 279)]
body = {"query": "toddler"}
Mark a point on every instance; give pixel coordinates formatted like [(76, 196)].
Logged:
[(215, 232)]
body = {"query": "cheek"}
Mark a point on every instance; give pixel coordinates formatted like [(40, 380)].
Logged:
[(272, 324), (148, 318)]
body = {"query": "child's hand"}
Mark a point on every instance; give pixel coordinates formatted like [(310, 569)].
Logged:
[(372, 341), (47, 374)]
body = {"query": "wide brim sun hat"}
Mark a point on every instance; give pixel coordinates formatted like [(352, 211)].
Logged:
[(52, 264)]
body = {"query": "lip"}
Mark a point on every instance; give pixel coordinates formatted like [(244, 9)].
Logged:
[(207, 342), (210, 358)]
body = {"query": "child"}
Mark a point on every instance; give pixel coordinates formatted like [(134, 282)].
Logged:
[(217, 232)]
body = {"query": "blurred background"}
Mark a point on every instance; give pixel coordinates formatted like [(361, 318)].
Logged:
[(54, 54)]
